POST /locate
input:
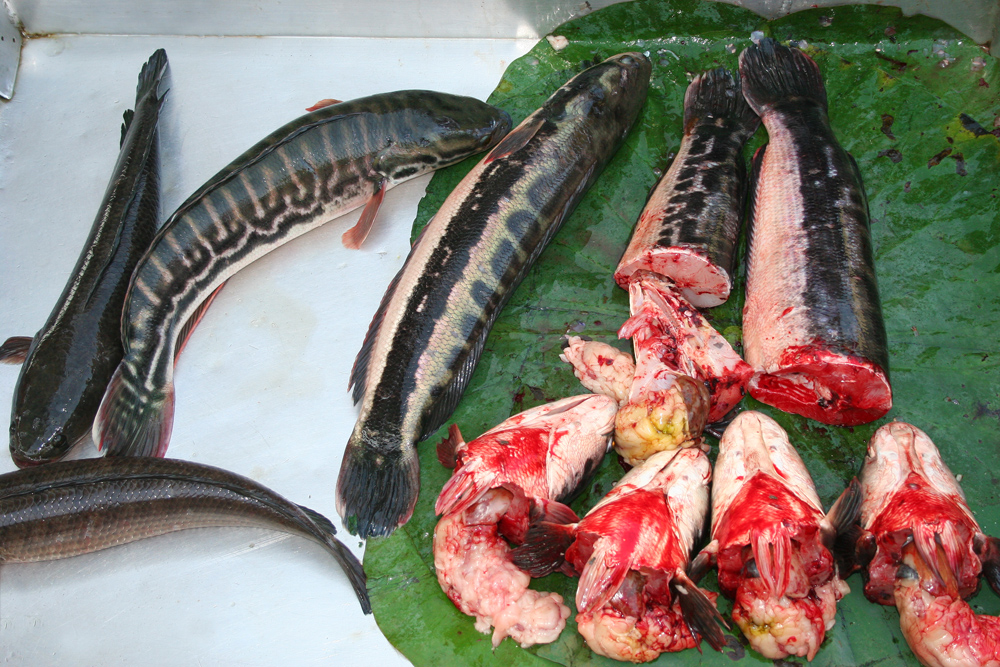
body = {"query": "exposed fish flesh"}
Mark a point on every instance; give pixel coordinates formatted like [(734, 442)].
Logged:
[(529, 464), (772, 542), (306, 173), (812, 323), (600, 368), (923, 550), (689, 227), (70, 360), (667, 406), (635, 600), (427, 335), (70, 508)]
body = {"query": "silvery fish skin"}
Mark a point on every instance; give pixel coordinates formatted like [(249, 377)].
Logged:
[(689, 227), (812, 323), (429, 331), (70, 508), (71, 359), (306, 173)]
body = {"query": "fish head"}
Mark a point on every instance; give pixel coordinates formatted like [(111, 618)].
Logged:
[(443, 131), (40, 434), (617, 86)]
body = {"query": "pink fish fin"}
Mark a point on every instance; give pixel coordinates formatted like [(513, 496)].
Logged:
[(516, 140), (356, 235), (772, 551), (844, 513), (951, 552), (703, 562), (544, 548), (699, 612), (927, 541), (635, 324), (448, 448), (465, 487), (988, 550), (15, 349), (323, 103), (602, 576), (552, 511), (133, 419), (185, 333)]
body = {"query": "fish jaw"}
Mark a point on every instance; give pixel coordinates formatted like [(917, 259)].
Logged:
[(543, 453), (599, 367), (475, 572), (910, 495)]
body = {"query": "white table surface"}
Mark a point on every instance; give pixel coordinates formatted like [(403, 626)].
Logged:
[(261, 388)]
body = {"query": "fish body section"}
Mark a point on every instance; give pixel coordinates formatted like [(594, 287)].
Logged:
[(70, 508), (631, 550), (769, 540), (71, 359), (812, 322), (689, 227), (925, 550), (428, 333), (304, 174), (524, 466)]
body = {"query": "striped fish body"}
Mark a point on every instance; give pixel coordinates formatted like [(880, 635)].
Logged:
[(70, 508), (429, 331), (812, 323), (689, 227), (73, 356), (313, 169)]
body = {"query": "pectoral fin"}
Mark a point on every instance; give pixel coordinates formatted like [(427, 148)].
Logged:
[(356, 235)]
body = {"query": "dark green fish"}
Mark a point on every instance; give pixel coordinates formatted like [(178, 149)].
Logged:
[(69, 362), (316, 168), (429, 331), (70, 508)]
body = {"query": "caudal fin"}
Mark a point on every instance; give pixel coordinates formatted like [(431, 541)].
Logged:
[(347, 560), (132, 420), (715, 95), (772, 73), (151, 75), (377, 489)]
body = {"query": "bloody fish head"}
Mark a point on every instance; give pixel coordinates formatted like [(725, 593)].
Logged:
[(910, 496), (769, 536)]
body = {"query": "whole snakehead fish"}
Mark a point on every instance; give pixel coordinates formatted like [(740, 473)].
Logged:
[(429, 331), (70, 508), (812, 324), (306, 173), (689, 227), (70, 361)]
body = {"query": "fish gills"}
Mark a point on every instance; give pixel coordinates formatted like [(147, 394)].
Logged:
[(812, 323), (72, 358), (689, 227), (306, 173), (429, 331), (70, 508)]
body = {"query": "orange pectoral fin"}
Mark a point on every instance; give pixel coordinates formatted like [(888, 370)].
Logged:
[(356, 235)]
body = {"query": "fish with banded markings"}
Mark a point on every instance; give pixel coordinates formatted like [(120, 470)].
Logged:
[(69, 508), (69, 362), (428, 333), (812, 323), (315, 168)]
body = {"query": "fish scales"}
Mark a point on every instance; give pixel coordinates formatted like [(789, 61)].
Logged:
[(75, 507), (689, 227), (73, 356), (313, 169), (429, 331), (813, 326)]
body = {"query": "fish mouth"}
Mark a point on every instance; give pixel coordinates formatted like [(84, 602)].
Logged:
[(41, 451)]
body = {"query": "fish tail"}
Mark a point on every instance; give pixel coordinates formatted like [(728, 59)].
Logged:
[(134, 420), (716, 94), (774, 73), (347, 560), (377, 487), (151, 75)]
